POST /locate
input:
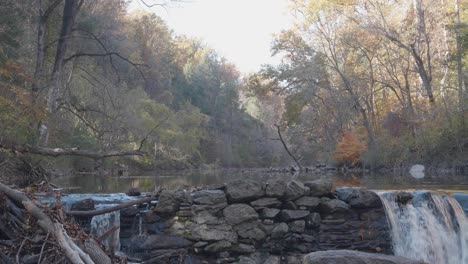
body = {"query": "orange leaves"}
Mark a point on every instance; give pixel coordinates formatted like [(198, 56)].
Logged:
[(349, 149)]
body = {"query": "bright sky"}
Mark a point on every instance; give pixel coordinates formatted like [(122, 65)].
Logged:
[(239, 30)]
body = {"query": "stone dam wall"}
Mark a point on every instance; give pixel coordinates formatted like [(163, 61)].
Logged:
[(255, 222)]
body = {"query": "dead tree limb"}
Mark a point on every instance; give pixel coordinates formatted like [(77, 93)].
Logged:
[(110, 209), (287, 149), (55, 152), (69, 248)]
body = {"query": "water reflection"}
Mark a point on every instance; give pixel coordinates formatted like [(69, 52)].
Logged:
[(151, 181)]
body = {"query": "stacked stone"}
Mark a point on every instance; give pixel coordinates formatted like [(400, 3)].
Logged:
[(277, 217)]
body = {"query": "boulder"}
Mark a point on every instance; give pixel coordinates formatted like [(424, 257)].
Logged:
[(168, 203), (218, 246), (275, 188), (309, 202), (153, 242), (209, 197), (295, 189), (358, 197), (212, 208), (354, 257), (289, 215), (243, 190), (266, 202), (204, 217), (332, 206), (269, 213), (279, 230), (319, 188), (239, 213), (213, 233)]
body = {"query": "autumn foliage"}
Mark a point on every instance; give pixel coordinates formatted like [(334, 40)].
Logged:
[(349, 149)]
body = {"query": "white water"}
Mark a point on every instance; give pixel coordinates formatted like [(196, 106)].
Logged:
[(102, 223), (432, 227)]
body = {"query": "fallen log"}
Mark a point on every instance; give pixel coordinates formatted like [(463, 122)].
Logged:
[(111, 209), (56, 152)]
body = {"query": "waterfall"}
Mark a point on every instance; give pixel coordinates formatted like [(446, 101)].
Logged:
[(100, 224), (430, 227)]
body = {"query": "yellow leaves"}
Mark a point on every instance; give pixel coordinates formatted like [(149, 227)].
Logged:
[(349, 149)]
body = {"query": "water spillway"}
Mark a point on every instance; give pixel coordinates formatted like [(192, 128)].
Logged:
[(427, 226)]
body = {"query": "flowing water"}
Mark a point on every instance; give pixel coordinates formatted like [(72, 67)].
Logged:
[(431, 227)]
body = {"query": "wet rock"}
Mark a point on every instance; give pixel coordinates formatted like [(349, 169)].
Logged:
[(319, 188), (134, 191), (332, 206), (209, 197), (354, 257), (243, 190), (269, 213), (403, 197), (168, 203), (238, 213), (266, 202), (213, 233), (309, 202), (153, 242), (84, 205), (279, 230), (289, 215), (358, 197), (275, 188), (297, 226), (295, 189), (218, 246)]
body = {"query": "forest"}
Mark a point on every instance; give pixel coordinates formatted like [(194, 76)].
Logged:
[(86, 83)]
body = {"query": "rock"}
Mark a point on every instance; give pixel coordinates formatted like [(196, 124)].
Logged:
[(319, 188), (354, 257), (403, 197), (204, 217), (279, 230), (213, 233), (238, 213), (309, 202), (269, 213), (83, 205), (295, 189), (358, 197), (332, 206), (243, 248), (215, 208), (288, 215), (168, 203), (266, 202), (297, 226), (134, 191), (209, 197), (200, 244), (255, 233), (153, 242), (275, 188), (313, 220), (243, 190), (290, 205), (218, 246)]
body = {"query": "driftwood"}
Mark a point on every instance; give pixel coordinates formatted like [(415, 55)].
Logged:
[(110, 209), (70, 249)]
